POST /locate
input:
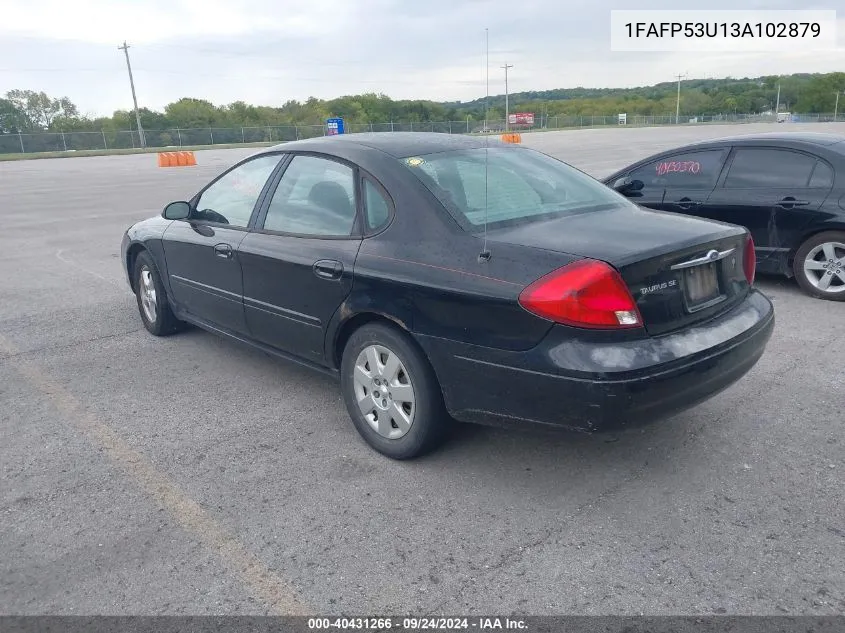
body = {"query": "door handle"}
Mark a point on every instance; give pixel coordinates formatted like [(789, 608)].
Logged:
[(687, 203), (223, 250), (788, 202), (328, 269)]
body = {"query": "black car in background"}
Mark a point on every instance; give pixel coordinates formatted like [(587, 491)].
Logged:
[(438, 278), (788, 189)]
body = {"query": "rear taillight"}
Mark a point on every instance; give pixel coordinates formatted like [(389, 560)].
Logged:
[(749, 261), (586, 293)]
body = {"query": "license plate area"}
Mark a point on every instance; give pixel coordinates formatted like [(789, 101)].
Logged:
[(701, 286)]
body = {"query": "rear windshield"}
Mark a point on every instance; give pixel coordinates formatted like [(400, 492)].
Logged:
[(520, 185)]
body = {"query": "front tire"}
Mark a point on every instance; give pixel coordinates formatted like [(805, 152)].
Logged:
[(391, 392), (819, 266), (156, 314)]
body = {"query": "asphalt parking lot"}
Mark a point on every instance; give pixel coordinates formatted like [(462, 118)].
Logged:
[(191, 475)]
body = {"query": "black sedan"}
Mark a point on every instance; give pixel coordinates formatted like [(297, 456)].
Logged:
[(787, 189), (441, 278)]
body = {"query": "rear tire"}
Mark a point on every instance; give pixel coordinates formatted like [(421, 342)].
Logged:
[(391, 392), (153, 304), (819, 266)]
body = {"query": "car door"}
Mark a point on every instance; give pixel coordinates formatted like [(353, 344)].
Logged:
[(298, 261), (679, 182), (774, 192), (201, 252)]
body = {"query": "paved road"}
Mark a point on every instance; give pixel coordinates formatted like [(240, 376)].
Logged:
[(191, 475)]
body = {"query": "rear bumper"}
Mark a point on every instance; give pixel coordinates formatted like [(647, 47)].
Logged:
[(579, 380)]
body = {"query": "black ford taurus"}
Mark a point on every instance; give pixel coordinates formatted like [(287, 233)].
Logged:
[(788, 189), (447, 277)]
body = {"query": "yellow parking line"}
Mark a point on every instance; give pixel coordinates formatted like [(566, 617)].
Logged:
[(279, 597)]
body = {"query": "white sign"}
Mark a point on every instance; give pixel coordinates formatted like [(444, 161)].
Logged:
[(719, 31)]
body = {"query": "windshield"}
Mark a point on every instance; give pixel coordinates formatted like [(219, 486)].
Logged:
[(520, 186)]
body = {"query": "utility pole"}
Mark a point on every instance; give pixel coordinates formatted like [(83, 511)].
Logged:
[(506, 66), (125, 49), (777, 103), (678, 101), (836, 107)]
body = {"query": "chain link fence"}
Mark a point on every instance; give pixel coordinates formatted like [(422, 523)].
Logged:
[(191, 137)]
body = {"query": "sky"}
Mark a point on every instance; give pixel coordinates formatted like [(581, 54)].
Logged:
[(266, 52)]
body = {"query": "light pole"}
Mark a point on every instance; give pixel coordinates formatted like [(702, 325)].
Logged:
[(678, 101), (777, 103), (836, 107), (506, 66)]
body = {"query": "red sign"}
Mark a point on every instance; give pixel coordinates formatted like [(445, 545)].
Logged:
[(521, 118)]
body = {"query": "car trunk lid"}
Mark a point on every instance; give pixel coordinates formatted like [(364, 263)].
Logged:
[(679, 269)]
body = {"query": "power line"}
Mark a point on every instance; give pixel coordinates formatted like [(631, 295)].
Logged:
[(259, 75), (125, 49)]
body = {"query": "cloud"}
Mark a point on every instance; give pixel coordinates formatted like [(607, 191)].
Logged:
[(97, 21), (266, 52)]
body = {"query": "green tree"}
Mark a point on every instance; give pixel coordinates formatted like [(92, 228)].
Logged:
[(819, 95), (40, 110), (11, 118), (151, 120), (25, 110), (192, 113)]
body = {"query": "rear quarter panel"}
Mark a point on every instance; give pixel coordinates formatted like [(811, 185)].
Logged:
[(424, 273)]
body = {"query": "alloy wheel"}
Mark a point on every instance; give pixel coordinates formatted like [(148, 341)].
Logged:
[(384, 392), (147, 290), (824, 267)]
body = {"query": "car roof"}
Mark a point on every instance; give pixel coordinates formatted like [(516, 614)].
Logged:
[(795, 140), (396, 144), (805, 138)]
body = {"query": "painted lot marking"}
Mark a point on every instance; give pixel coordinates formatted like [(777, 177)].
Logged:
[(279, 597)]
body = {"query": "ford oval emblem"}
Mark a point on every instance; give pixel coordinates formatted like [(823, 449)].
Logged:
[(713, 255)]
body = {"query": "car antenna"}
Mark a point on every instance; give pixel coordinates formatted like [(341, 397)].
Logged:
[(484, 255)]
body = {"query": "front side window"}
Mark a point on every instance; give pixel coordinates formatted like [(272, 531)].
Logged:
[(761, 168), (690, 170), (231, 199), (508, 186), (315, 197)]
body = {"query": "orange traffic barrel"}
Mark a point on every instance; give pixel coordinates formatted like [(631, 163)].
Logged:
[(176, 159)]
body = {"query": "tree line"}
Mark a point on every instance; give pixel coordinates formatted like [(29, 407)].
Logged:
[(31, 111)]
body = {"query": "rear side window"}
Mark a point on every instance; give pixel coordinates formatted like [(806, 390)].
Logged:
[(690, 170), (511, 185), (822, 177), (315, 197), (378, 209), (769, 169)]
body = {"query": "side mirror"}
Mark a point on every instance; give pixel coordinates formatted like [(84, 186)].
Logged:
[(625, 185), (176, 211)]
